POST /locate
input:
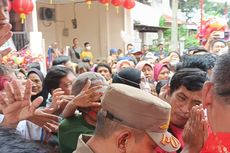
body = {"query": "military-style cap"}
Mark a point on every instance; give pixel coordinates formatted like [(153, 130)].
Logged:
[(141, 110)]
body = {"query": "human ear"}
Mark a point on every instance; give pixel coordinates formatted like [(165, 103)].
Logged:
[(122, 140), (207, 94)]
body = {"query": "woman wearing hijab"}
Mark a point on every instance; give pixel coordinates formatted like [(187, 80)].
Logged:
[(161, 72), (38, 88), (147, 70)]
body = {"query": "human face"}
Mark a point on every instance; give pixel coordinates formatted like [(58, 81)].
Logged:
[(75, 42), (125, 65), (145, 49), (182, 101), (148, 72), (4, 14), (36, 83), (217, 47), (104, 72), (174, 56), (129, 47), (66, 83), (141, 145), (164, 74)]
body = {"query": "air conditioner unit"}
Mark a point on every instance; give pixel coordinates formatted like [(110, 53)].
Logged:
[(47, 13)]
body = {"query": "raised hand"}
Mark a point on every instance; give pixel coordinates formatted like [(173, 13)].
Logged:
[(16, 106), (47, 121), (5, 35), (59, 101), (196, 130), (88, 97)]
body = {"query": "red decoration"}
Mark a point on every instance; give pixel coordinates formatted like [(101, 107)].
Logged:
[(208, 27), (23, 7), (129, 4), (116, 2), (9, 5), (106, 2)]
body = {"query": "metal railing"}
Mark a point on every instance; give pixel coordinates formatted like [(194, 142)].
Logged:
[(20, 39)]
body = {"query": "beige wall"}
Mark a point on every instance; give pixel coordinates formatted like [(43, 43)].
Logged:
[(96, 25)]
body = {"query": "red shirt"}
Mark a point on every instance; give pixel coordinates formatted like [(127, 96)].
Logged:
[(177, 132), (217, 143)]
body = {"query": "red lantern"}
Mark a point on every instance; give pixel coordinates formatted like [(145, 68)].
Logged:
[(23, 7), (129, 4), (106, 2), (9, 5), (117, 3)]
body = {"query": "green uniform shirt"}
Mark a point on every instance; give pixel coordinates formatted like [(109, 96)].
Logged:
[(69, 131)]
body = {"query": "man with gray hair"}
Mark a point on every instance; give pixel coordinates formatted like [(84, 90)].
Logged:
[(130, 121), (216, 99), (86, 88)]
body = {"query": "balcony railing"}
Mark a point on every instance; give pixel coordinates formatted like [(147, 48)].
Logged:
[(20, 39)]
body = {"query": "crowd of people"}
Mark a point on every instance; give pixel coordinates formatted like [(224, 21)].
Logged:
[(136, 101)]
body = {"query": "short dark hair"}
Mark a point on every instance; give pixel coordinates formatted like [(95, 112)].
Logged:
[(106, 127), (103, 65), (204, 62), (129, 44), (191, 78), (60, 60), (221, 76), (86, 43), (82, 65), (35, 65), (14, 143), (200, 50), (54, 76)]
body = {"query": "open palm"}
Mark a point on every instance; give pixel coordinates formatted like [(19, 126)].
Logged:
[(16, 105)]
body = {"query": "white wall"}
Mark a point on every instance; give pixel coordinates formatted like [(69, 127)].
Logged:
[(96, 25)]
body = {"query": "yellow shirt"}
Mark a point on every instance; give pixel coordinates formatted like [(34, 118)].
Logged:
[(87, 55)]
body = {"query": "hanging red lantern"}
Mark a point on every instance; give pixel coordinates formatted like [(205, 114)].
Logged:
[(23, 7), (106, 3), (129, 4), (117, 3), (9, 5)]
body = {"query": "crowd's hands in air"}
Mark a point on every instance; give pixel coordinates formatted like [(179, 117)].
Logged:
[(195, 131), (16, 106), (59, 102), (88, 97)]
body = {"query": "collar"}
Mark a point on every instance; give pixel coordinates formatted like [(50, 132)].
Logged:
[(82, 147)]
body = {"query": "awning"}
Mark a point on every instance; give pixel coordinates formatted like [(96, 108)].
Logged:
[(145, 28)]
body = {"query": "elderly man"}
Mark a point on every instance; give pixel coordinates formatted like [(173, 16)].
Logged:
[(87, 101), (130, 123)]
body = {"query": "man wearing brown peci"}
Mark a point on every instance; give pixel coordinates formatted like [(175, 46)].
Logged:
[(129, 123)]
